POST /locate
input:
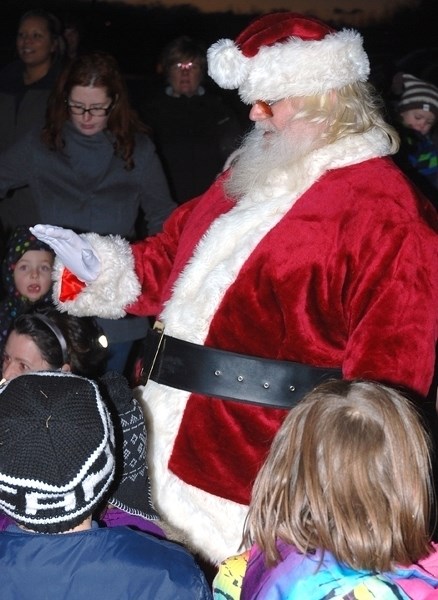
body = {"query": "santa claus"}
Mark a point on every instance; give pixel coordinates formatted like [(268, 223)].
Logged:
[(310, 257)]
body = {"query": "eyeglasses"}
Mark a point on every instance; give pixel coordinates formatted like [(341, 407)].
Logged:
[(265, 106), (95, 111), (186, 66)]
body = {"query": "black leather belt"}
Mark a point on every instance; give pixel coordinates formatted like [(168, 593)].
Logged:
[(211, 372)]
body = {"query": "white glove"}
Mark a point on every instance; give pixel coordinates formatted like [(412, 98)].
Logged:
[(74, 251)]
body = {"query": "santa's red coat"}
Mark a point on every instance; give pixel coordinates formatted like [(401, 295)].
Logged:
[(333, 265)]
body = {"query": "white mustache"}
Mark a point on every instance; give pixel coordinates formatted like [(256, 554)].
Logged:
[(263, 128)]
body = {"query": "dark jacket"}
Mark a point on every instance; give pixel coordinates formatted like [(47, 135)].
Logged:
[(85, 187), (102, 564), (194, 137), (22, 107), (417, 157)]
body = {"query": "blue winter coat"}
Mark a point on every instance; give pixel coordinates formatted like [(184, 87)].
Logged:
[(99, 564)]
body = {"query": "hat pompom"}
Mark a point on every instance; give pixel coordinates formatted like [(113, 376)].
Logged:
[(284, 55), (227, 66)]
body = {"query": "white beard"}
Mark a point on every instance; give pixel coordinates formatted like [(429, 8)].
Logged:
[(261, 153)]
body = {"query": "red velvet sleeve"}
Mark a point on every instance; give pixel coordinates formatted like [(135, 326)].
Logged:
[(154, 259), (391, 308)]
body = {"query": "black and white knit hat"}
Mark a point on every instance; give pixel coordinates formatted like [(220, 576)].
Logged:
[(56, 450), (131, 488), (282, 55), (418, 94)]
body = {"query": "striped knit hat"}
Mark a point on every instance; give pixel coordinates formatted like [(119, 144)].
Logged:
[(283, 55), (56, 450), (418, 94)]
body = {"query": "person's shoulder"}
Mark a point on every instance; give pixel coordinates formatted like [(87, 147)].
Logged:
[(31, 139), (11, 77), (144, 151), (376, 191), (152, 558), (374, 178), (46, 83), (143, 141), (229, 579), (216, 102), (153, 102), (376, 586), (157, 550)]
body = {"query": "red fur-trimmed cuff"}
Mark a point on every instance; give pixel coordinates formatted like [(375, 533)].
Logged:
[(115, 287), (71, 286)]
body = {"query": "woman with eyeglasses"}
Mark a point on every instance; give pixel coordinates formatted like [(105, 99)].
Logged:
[(93, 168)]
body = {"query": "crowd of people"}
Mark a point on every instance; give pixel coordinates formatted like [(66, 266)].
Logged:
[(278, 284)]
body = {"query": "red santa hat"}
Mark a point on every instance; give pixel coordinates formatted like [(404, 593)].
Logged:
[(283, 55)]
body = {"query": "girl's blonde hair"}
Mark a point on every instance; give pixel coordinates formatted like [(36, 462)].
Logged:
[(349, 473)]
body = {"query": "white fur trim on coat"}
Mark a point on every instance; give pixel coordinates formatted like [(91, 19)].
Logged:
[(289, 69), (214, 525), (116, 287)]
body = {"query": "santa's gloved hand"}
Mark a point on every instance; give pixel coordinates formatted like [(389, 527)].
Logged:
[(75, 252)]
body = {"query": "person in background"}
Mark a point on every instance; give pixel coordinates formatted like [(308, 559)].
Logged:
[(340, 508), (93, 168), (56, 466), (312, 257), (194, 129), (417, 111), (25, 86), (45, 339), (26, 278), (73, 34)]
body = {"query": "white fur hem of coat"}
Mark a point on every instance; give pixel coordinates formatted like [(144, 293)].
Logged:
[(117, 285), (211, 526)]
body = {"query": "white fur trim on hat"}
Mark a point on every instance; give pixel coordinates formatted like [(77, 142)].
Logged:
[(291, 68), (116, 287)]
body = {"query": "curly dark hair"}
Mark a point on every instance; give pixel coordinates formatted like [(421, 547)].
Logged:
[(85, 353)]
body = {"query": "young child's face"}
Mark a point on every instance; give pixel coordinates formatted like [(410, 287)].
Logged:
[(418, 119), (33, 274)]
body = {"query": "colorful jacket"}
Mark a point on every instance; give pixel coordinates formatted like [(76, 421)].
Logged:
[(313, 577)]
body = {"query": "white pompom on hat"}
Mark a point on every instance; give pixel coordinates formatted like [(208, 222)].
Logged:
[(282, 55)]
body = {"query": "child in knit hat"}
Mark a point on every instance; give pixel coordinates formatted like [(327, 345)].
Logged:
[(56, 466), (418, 155), (27, 278), (418, 105)]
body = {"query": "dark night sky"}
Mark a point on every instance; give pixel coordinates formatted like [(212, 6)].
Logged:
[(322, 8)]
